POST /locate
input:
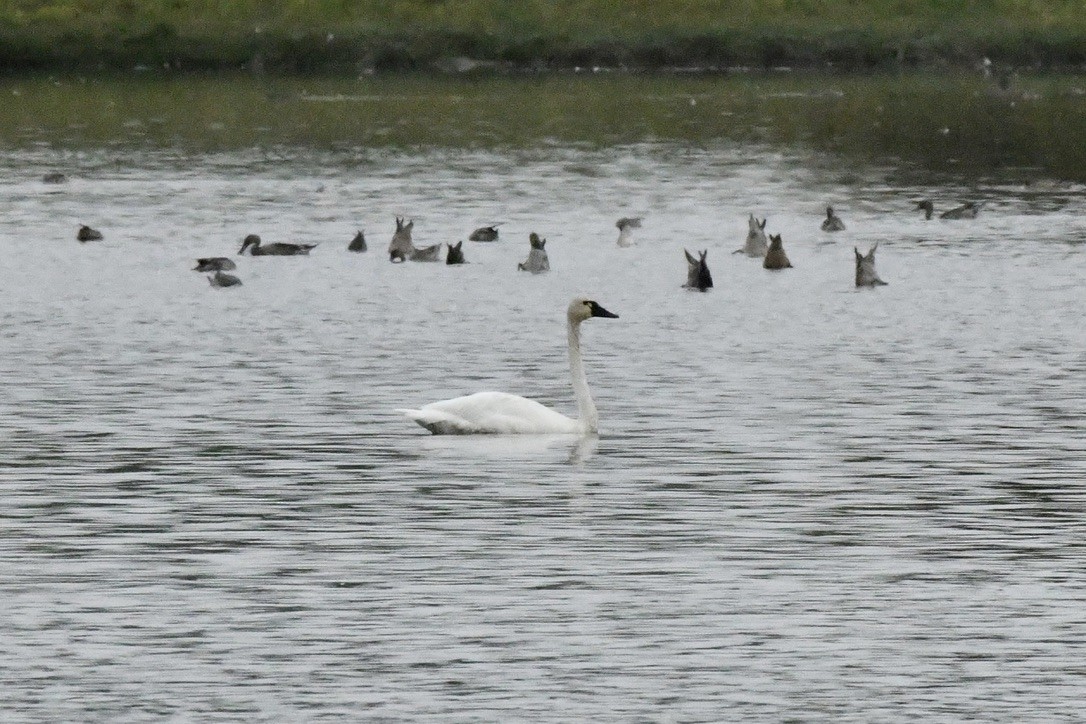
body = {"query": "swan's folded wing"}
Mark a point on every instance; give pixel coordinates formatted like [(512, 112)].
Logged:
[(440, 422), (491, 413)]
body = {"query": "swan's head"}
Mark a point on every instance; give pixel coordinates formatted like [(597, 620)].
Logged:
[(581, 309)]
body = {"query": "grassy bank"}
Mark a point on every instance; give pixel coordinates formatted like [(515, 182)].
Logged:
[(357, 36)]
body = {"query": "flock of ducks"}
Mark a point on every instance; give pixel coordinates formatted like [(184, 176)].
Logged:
[(769, 248), (502, 413)]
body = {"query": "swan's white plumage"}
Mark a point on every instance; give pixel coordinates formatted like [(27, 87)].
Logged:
[(492, 413), (499, 413)]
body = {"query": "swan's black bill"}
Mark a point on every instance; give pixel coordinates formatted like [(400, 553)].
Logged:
[(598, 311)]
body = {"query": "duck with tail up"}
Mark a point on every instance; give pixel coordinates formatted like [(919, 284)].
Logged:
[(775, 258), (455, 254), (358, 243), (401, 247), (756, 244), (866, 276), (697, 272), (537, 261)]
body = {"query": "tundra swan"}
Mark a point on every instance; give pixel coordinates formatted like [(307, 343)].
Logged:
[(499, 413)]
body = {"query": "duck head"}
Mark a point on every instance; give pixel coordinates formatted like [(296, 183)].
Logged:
[(252, 240)]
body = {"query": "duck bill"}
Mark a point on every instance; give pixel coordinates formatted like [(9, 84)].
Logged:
[(598, 311)]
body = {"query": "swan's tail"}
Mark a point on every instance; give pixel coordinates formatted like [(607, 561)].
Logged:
[(438, 422)]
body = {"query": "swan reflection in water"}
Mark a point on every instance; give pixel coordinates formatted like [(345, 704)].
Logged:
[(577, 449)]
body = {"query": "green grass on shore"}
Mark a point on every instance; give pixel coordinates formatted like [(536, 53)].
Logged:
[(353, 35)]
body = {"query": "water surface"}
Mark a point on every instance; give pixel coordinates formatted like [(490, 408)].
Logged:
[(806, 502)]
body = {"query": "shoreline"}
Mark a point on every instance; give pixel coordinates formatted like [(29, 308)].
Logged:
[(454, 54)]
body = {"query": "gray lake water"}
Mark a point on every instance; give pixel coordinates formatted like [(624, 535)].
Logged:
[(807, 502)]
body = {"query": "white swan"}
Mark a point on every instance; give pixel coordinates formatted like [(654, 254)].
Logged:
[(498, 413)]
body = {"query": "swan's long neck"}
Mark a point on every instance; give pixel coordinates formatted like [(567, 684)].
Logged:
[(589, 418)]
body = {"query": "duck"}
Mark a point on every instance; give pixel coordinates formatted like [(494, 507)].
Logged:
[(426, 253), (401, 246), (625, 226), (455, 254), (358, 243), (485, 233), (775, 258), (279, 248), (756, 244), (214, 263), (500, 413), (968, 210), (697, 272), (866, 276), (86, 233), (832, 222), (537, 261), (221, 279)]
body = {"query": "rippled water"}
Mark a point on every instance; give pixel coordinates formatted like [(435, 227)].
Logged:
[(807, 502)]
